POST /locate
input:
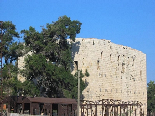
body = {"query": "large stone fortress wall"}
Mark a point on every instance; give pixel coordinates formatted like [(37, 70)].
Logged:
[(116, 71), (21, 64)]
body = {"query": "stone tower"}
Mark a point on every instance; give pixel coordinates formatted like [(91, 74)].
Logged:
[(116, 71)]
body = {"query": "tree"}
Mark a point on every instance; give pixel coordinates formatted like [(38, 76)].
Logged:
[(49, 65), (151, 97), (51, 42), (10, 84), (11, 50)]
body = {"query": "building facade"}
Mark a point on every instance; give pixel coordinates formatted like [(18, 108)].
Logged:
[(115, 71)]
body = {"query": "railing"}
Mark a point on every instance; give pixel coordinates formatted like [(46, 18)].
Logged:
[(109, 107)]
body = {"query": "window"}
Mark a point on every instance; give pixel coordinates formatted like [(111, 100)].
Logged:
[(75, 65)]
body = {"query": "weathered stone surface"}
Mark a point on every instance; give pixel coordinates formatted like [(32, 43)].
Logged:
[(21, 65), (116, 71)]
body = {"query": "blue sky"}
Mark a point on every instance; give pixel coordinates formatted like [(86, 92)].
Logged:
[(126, 22)]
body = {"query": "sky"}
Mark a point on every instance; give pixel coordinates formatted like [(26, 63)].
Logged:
[(126, 22)]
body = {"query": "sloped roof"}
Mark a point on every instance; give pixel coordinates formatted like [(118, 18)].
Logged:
[(49, 100)]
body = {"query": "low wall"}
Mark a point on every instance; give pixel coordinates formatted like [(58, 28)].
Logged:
[(16, 114)]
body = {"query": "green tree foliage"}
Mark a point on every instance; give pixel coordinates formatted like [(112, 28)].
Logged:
[(11, 50), (51, 42), (49, 65), (13, 86), (10, 82), (87, 73), (151, 97), (82, 84), (28, 88), (9, 54)]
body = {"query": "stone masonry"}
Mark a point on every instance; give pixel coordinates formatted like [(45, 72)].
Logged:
[(116, 71), (21, 65)]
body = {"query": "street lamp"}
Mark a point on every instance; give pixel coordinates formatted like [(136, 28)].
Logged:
[(78, 104)]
